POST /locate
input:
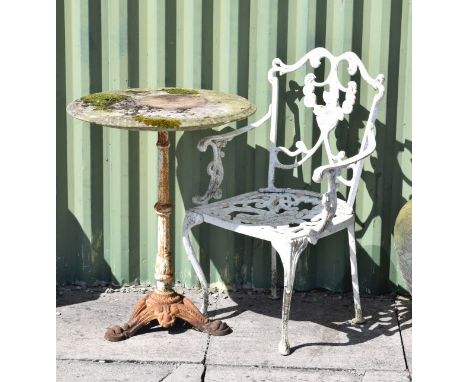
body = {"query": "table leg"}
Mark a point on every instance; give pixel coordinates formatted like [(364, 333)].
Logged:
[(164, 305)]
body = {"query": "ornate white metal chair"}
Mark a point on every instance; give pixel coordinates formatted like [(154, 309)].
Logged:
[(291, 218)]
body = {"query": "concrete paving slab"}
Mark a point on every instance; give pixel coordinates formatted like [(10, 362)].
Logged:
[(320, 333), (405, 313), (236, 374), (186, 372), (86, 371), (83, 318), (386, 376), (325, 347)]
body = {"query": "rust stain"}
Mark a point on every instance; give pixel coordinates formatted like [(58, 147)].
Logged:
[(164, 272)]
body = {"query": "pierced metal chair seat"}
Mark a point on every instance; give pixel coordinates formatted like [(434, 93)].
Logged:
[(289, 214), (291, 219)]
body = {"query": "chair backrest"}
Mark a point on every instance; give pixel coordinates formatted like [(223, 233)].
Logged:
[(327, 115)]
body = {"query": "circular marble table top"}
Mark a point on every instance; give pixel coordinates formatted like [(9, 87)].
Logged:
[(165, 109)]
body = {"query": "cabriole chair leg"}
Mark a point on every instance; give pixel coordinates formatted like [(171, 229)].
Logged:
[(358, 318), (283, 346), (191, 220), (289, 255)]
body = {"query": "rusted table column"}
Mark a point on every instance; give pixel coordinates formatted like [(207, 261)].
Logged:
[(162, 110), (163, 274), (164, 305)]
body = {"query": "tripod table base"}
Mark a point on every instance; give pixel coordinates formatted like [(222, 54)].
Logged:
[(165, 307)]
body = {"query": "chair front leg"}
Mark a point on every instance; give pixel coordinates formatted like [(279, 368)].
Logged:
[(289, 254), (358, 319), (191, 220)]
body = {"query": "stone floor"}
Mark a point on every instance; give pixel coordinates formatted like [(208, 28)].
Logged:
[(324, 345)]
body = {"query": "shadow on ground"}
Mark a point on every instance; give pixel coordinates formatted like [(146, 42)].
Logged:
[(330, 310)]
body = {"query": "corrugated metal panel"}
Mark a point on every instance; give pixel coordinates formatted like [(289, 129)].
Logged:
[(106, 179)]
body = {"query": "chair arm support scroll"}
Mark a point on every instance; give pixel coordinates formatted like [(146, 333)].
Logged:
[(319, 172), (329, 203), (215, 168)]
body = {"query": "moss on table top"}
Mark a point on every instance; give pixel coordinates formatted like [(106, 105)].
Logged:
[(172, 109), (163, 123), (103, 101), (180, 91)]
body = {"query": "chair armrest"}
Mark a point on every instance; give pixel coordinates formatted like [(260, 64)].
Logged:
[(215, 168), (319, 172), (330, 199)]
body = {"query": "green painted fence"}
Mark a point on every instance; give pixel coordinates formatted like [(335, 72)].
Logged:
[(106, 179)]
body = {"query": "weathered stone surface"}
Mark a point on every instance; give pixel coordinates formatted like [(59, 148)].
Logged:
[(235, 374), (386, 376), (324, 346), (86, 371), (203, 110), (81, 328), (319, 334), (403, 242), (186, 372)]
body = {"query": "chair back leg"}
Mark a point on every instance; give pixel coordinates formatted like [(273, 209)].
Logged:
[(191, 220), (274, 275), (289, 255), (358, 319)]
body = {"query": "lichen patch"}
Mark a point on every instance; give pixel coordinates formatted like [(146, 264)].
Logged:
[(172, 101)]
